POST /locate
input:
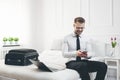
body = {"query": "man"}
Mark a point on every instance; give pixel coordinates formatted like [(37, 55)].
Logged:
[(76, 47)]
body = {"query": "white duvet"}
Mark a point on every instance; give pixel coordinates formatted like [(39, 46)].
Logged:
[(50, 58)]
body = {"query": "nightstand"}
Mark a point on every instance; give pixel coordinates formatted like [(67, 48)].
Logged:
[(113, 63)]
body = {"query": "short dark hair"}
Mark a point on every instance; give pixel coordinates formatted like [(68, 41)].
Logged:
[(79, 19)]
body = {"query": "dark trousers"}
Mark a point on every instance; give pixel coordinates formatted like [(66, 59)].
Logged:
[(84, 67)]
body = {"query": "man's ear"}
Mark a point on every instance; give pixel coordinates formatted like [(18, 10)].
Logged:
[(74, 25)]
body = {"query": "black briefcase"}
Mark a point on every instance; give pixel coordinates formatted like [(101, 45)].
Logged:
[(20, 56)]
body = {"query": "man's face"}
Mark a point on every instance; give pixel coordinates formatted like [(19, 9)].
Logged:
[(78, 28)]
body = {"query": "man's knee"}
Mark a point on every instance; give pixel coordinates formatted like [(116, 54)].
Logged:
[(103, 66)]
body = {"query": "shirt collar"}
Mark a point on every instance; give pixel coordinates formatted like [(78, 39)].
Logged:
[(74, 35)]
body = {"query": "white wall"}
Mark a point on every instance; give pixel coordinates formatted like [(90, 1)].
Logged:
[(102, 19), (38, 22), (15, 20)]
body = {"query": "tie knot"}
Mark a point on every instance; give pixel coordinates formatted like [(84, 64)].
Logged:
[(77, 36)]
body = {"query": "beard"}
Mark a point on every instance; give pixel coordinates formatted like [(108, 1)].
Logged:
[(78, 32)]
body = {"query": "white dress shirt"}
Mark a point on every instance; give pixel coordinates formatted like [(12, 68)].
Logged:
[(69, 46)]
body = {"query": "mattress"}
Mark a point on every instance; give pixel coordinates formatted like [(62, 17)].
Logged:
[(31, 72)]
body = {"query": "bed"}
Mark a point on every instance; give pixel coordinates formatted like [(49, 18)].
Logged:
[(50, 58)]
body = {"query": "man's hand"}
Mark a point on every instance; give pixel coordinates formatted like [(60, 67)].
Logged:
[(82, 53)]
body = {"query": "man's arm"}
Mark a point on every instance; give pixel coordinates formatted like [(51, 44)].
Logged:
[(65, 51)]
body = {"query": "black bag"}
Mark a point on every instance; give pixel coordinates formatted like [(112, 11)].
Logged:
[(20, 56)]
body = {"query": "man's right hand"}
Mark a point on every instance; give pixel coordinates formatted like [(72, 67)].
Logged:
[(81, 54)]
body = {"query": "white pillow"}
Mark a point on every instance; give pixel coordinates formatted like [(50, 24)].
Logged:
[(53, 58), (57, 44)]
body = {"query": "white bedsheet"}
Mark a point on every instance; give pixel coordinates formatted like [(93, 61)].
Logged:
[(50, 58), (32, 73)]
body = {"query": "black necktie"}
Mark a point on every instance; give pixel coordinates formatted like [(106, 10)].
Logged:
[(77, 47)]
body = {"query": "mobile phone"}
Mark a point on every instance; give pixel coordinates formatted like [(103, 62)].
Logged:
[(84, 52)]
